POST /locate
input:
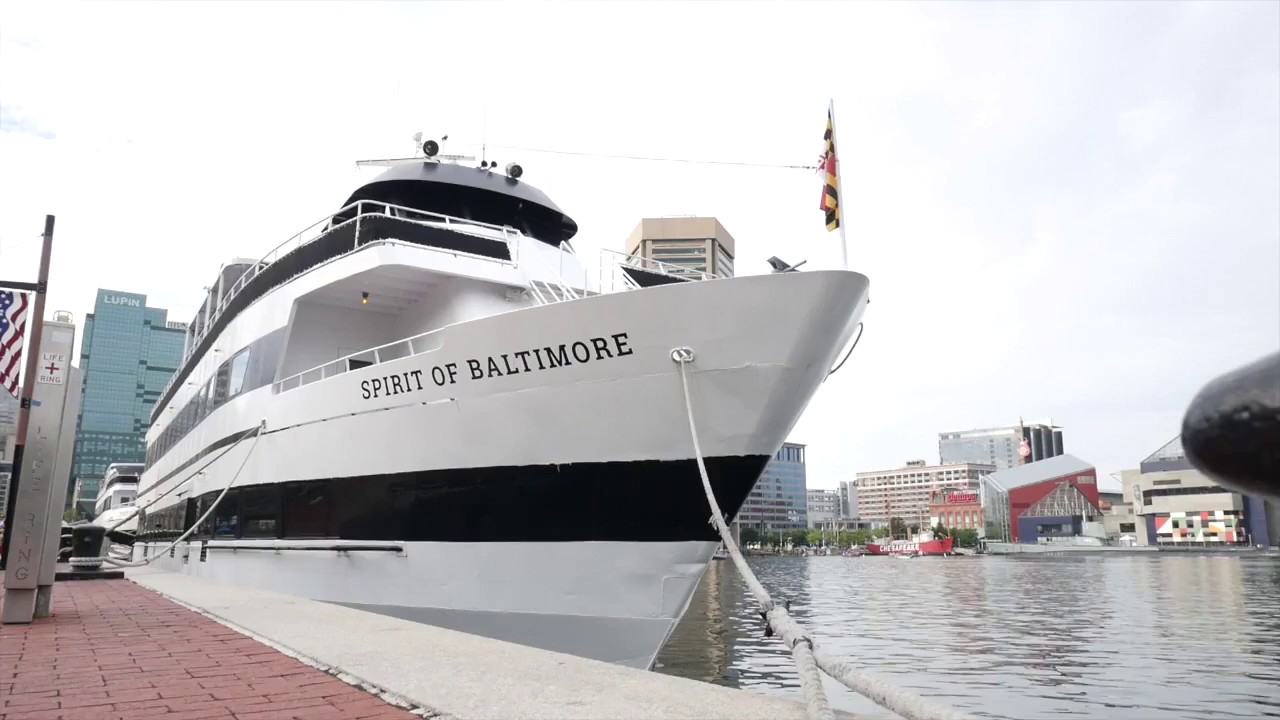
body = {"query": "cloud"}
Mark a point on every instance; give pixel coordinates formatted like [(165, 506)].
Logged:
[(12, 122)]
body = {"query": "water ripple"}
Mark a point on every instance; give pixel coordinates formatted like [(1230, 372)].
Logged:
[(1155, 637)]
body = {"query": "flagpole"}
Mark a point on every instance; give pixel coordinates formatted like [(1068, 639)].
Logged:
[(844, 243)]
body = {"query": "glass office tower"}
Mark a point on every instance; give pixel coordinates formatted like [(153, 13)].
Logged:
[(128, 352)]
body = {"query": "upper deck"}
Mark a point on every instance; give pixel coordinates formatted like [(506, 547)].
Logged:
[(371, 217)]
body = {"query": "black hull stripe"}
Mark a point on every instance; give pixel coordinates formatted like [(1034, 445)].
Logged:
[(637, 501)]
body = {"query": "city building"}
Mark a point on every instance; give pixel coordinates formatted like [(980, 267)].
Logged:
[(905, 492), (7, 444), (823, 507), (779, 500), (128, 353), (849, 500), (1175, 504), (1119, 522), (695, 243), (958, 509), (999, 446), (9, 406), (1052, 498)]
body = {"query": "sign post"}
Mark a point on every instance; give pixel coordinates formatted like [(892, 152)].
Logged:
[(72, 378), (32, 512)]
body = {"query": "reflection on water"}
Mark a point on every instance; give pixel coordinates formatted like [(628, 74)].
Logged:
[(1134, 636)]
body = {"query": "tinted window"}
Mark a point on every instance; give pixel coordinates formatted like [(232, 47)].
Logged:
[(308, 510), (261, 507), (239, 366), (226, 519)]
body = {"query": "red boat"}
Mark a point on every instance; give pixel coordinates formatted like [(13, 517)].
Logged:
[(919, 546)]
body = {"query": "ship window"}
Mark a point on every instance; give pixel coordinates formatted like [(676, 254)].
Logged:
[(226, 519), (221, 381), (239, 365), (307, 510), (261, 508)]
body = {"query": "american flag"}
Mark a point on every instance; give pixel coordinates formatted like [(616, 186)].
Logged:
[(13, 325)]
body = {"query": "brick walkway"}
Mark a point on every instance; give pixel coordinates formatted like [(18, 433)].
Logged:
[(116, 651)]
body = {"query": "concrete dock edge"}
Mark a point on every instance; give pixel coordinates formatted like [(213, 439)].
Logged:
[(440, 673)]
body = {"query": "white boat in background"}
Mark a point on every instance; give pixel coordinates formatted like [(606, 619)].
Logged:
[(116, 498), (466, 424)]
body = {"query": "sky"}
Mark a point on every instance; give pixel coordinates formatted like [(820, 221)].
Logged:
[(1066, 210)]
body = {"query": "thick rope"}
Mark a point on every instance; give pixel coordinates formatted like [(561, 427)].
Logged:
[(808, 658), (147, 561), (139, 508)]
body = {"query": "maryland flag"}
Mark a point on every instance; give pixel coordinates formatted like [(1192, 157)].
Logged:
[(831, 182)]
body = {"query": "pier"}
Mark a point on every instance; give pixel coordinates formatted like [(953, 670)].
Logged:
[(172, 646)]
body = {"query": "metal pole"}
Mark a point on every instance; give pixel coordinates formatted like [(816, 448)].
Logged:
[(28, 382)]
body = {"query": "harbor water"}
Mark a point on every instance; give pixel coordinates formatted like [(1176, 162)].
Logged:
[(1159, 636)]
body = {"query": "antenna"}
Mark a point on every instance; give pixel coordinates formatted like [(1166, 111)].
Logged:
[(424, 152)]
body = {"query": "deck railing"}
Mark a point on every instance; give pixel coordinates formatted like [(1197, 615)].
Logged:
[(549, 288), (395, 350), (356, 211)]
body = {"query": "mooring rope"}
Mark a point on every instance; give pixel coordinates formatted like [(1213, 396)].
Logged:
[(147, 561), (139, 508), (807, 656)]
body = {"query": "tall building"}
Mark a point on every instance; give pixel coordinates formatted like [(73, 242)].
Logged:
[(999, 446), (823, 507), (9, 406), (8, 436), (128, 353), (1175, 504), (779, 500), (905, 492), (849, 499), (695, 243)]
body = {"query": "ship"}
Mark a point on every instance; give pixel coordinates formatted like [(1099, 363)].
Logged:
[(114, 506), (431, 406), (922, 544)]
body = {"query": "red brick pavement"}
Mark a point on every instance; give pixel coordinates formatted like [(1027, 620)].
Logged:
[(114, 650)]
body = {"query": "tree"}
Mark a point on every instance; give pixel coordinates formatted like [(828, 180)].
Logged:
[(799, 538), (897, 526), (748, 536), (940, 531), (814, 537), (965, 538)]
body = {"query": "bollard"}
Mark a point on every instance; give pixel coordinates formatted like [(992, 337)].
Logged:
[(1231, 431), (86, 546)]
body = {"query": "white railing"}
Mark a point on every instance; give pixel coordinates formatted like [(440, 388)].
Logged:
[(406, 347), (553, 288), (544, 290), (658, 267), (326, 225)]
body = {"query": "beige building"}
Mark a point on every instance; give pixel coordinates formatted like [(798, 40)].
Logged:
[(905, 492), (824, 507), (1174, 504), (695, 244)]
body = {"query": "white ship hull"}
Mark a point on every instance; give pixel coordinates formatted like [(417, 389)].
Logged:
[(455, 422), (558, 507)]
